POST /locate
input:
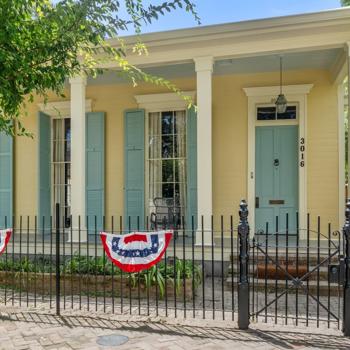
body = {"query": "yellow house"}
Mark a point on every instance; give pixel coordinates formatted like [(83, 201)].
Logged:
[(110, 149)]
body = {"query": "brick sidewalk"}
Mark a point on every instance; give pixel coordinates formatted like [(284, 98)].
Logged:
[(22, 329)]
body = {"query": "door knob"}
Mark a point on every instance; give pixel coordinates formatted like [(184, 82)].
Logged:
[(276, 162)]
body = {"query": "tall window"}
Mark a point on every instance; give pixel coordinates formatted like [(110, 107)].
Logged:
[(167, 162), (61, 167)]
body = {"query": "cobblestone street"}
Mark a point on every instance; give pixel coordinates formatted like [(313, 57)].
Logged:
[(35, 329)]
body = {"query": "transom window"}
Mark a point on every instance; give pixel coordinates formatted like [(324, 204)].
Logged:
[(167, 163), (61, 167), (270, 113)]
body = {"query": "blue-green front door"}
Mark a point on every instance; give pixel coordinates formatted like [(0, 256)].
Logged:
[(276, 179)]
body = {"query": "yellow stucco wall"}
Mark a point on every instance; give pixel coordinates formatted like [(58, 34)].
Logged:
[(229, 141)]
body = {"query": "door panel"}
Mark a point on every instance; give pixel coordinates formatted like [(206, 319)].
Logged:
[(276, 183)]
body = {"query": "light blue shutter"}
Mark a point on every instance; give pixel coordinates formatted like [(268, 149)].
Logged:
[(6, 180), (44, 212), (191, 167), (95, 165), (134, 181)]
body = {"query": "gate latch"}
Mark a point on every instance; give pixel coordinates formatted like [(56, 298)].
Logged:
[(337, 272)]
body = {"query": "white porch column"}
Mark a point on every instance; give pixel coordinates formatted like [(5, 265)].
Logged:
[(77, 108), (204, 70)]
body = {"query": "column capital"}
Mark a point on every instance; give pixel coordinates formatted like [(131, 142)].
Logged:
[(204, 63), (78, 80)]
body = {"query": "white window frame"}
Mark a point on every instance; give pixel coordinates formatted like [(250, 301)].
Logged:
[(52, 163), (157, 103), (258, 96), (59, 110)]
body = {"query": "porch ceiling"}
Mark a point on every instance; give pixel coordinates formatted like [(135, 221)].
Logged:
[(319, 59)]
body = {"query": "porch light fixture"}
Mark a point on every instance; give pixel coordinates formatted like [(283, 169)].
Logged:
[(281, 101)]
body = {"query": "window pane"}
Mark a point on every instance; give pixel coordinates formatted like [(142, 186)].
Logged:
[(167, 146), (180, 170), (67, 144), (180, 123), (180, 146), (167, 162), (290, 113), (168, 171), (67, 151), (154, 124), (266, 113), (167, 123), (61, 169), (154, 147), (168, 191)]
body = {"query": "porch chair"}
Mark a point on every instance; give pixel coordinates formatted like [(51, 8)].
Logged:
[(166, 214)]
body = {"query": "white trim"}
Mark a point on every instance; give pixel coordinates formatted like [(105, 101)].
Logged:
[(338, 69), (204, 69), (341, 152), (61, 109), (157, 103), (296, 95), (78, 146), (204, 63), (162, 102), (273, 91), (279, 121), (242, 28), (297, 33)]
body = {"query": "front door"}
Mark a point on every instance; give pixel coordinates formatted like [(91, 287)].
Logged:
[(276, 181)]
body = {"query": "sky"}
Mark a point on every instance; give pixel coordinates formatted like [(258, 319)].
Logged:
[(223, 11)]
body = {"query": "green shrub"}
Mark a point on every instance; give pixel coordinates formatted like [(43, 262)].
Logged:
[(156, 275)]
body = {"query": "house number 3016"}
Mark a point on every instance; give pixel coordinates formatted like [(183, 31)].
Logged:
[(302, 152)]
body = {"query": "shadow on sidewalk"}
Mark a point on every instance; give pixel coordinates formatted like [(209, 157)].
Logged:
[(287, 338)]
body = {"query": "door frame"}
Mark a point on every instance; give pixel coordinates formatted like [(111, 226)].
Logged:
[(296, 94)]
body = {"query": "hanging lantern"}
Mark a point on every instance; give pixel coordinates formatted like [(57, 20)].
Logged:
[(281, 101)]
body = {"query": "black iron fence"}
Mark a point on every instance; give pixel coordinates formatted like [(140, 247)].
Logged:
[(221, 271)]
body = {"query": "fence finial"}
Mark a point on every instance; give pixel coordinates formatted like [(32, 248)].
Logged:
[(347, 213), (243, 211)]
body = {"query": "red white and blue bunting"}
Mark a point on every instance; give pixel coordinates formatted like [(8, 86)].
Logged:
[(5, 236), (136, 251)]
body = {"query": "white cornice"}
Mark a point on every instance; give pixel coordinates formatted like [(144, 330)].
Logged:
[(299, 33), (163, 101), (61, 108), (274, 90), (339, 67), (237, 28)]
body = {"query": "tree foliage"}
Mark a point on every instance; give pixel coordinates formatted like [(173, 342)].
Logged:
[(345, 2), (44, 42)]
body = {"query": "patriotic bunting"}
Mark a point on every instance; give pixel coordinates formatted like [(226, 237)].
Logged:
[(4, 239), (136, 251)]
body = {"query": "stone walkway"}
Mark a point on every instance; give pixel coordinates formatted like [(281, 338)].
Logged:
[(35, 329)]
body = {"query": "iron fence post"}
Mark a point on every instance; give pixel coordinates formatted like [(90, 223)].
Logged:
[(58, 270), (346, 301), (243, 285)]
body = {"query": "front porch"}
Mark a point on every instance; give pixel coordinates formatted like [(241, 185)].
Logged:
[(107, 148)]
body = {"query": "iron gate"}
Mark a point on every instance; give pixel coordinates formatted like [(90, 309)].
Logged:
[(290, 276), (299, 277)]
